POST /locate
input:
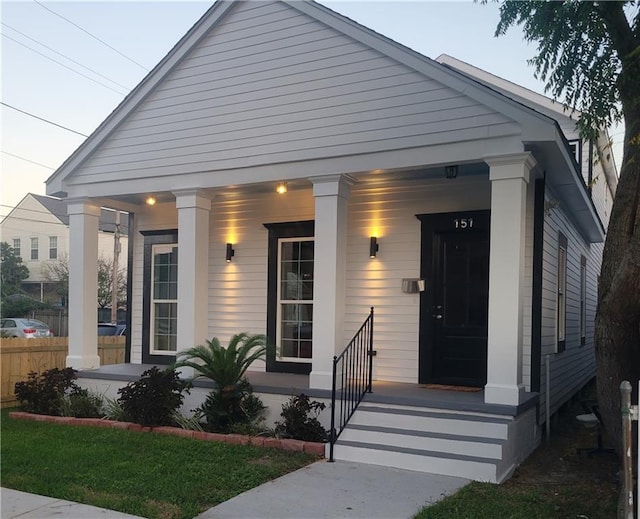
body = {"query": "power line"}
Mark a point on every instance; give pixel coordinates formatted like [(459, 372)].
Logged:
[(63, 65), (41, 119), (93, 36), (65, 56), (26, 160)]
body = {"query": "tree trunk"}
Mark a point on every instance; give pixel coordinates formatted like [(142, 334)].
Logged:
[(617, 330)]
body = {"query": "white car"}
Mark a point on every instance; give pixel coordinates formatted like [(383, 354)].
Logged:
[(27, 328)]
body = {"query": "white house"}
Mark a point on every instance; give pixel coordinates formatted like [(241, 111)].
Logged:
[(401, 173), (37, 229)]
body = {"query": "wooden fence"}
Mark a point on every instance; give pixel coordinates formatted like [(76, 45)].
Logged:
[(18, 357)]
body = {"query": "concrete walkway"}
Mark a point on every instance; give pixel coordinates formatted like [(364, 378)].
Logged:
[(320, 490)]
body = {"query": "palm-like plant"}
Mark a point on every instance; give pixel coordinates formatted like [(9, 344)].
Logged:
[(233, 402)]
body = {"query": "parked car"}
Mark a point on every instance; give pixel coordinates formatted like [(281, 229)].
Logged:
[(27, 328), (111, 329)]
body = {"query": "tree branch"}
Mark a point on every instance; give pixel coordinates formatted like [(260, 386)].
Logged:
[(622, 36)]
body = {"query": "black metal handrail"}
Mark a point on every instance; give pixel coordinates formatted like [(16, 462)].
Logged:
[(356, 375)]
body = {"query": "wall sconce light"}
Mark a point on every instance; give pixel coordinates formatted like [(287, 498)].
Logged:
[(151, 200), (230, 252), (451, 171), (281, 188), (373, 247)]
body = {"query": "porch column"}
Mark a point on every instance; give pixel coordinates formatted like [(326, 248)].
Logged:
[(331, 195), (83, 284), (193, 267), (509, 176)]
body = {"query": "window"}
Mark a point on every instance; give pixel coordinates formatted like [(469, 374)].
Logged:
[(34, 248), (576, 149), (53, 247), (562, 293), (164, 299), (295, 299), (16, 246), (583, 300)]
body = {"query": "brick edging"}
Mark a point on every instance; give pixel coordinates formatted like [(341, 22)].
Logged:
[(286, 444)]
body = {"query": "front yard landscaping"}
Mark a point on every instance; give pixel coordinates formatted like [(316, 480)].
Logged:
[(150, 475)]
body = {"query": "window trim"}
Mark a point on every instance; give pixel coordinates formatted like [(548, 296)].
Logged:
[(17, 250), (302, 229), (164, 237), (152, 317), (561, 294), (583, 301), (34, 251), (53, 250), (281, 301)]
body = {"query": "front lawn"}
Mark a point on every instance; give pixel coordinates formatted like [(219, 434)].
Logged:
[(149, 475)]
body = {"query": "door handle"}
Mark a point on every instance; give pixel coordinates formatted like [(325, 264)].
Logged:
[(437, 316)]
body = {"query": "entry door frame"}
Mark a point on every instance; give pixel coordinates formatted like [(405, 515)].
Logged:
[(431, 225)]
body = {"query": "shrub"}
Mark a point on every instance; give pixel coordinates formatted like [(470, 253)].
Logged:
[(44, 394), (233, 407), (153, 399), (301, 420), (83, 404)]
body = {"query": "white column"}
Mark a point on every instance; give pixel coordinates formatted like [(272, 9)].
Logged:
[(83, 285), (193, 267), (509, 176), (331, 195)]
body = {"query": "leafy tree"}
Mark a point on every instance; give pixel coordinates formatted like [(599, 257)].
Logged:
[(12, 271), (58, 271), (589, 56)]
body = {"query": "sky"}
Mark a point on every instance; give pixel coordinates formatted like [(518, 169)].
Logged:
[(58, 70)]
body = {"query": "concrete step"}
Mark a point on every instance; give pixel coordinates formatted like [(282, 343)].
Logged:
[(480, 447)]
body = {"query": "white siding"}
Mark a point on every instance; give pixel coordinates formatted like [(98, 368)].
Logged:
[(238, 290), (270, 85), (572, 368)]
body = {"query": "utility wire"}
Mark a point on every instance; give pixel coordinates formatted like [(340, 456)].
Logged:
[(66, 57), (41, 119), (26, 160), (63, 65), (93, 36)]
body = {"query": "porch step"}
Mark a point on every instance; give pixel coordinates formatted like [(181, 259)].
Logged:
[(469, 445)]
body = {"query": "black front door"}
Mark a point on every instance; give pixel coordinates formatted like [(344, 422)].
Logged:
[(453, 308)]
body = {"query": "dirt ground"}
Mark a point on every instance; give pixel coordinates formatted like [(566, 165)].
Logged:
[(560, 473)]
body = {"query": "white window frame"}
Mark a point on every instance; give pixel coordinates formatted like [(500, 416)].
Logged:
[(561, 293), (34, 241), (583, 300), (159, 248), (16, 250), (53, 247), (280, 302)]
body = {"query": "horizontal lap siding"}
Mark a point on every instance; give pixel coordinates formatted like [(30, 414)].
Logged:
[(571, 369), (270, 85), (389, 213)]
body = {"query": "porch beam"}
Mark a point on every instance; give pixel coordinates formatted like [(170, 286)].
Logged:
[(193, 267), (83, 284), (331, 194), (509, 176)]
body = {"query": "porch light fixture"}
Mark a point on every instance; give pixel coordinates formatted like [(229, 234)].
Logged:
[(151, 200), (451, 171), (373, 247), (230, 252), (281, 188)]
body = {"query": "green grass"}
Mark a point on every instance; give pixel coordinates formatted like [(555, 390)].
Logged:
[(149, 475)]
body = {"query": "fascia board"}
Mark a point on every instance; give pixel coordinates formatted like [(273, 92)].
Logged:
[(55, 183)]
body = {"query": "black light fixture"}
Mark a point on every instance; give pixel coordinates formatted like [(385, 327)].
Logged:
[(373, 247), (230, 252), (451, 171)]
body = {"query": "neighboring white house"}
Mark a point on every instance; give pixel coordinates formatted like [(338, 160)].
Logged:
[(398, 168), (38, 231)]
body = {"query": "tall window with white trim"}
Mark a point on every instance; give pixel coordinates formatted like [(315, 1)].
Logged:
[(164, 299), (53, 247), (295, 299), (562, 293), (16, 247), (34, 248)]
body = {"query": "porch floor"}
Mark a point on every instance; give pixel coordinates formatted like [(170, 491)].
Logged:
[(395, 393)]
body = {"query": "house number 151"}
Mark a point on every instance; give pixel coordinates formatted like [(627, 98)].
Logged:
[(463, 223)]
